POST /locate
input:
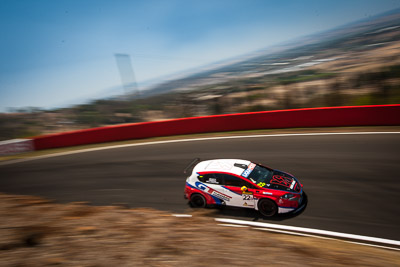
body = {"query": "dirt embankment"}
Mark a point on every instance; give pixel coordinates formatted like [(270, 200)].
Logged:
[(37, 232)]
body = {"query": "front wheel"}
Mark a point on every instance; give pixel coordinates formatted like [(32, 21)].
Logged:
[(197, 201), (267, 207)]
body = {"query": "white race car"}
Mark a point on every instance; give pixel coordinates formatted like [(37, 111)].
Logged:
[(241, 183)]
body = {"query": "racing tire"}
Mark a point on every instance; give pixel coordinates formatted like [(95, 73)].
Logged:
[(267, 207), (197, 201)]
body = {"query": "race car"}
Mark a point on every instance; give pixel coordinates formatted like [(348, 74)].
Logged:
[(241, 183)]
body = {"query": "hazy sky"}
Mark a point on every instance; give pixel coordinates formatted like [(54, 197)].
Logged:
[(58, 52)]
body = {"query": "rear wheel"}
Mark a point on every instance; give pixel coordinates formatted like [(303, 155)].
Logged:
[(197, 201), (267, 207)]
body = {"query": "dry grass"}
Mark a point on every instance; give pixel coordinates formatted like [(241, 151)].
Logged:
[(36, 232)]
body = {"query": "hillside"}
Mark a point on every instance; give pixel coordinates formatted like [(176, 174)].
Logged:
[(357, 64)]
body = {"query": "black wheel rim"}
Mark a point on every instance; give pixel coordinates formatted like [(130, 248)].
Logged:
[(267, 208), (198, 201)]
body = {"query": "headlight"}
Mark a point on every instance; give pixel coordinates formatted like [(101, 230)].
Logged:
[(289, 196)]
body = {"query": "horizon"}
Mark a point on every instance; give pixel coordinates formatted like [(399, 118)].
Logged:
[(83, 67)]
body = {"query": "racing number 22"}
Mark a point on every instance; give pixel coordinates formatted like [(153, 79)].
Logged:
[(247, 197)]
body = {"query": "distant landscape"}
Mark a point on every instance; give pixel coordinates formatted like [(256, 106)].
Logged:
[(358, 64)]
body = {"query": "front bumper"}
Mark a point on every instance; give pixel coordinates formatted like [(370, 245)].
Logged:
[(302, 204), (300, 207)]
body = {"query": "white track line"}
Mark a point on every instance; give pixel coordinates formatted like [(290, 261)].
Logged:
[(310, 231), (321, 237), (306, 232), (186, 140), (182, 215)]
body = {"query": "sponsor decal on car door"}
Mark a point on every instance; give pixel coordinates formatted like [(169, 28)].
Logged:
[(240, 198)]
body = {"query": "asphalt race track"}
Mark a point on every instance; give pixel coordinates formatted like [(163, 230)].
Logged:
[(352, 181)]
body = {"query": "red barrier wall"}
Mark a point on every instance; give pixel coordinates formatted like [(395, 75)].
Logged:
[(296, 118)]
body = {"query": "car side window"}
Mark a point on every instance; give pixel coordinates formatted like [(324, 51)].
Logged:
[(211, 178), (231, 180)]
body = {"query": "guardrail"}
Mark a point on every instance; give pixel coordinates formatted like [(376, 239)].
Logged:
[(296, 118)]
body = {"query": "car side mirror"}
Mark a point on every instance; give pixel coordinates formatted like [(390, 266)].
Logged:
[(244, 188)]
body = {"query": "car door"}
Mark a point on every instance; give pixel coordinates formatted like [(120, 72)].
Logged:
[(240, 198), (214, 186)]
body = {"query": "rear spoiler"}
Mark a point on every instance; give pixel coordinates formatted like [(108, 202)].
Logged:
[(188, 167)]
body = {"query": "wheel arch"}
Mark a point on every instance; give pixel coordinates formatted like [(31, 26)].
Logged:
[(265, 197), (270, 207)]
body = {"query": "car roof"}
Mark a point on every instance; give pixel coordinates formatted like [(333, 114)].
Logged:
[(222, 165)]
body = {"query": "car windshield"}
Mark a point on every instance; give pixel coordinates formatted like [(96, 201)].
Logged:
[(260, 175)]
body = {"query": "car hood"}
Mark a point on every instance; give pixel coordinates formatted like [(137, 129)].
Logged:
[(284, 181)]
